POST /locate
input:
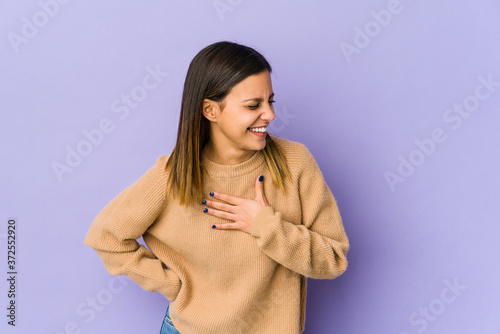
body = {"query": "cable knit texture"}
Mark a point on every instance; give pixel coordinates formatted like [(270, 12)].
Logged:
[(227, 281)]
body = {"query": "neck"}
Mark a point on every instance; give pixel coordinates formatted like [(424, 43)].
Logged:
[(227, 156)]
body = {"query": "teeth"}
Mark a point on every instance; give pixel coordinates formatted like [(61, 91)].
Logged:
[(258, 130)]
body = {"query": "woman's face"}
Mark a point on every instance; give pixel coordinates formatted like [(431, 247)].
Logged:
[(249, 104)]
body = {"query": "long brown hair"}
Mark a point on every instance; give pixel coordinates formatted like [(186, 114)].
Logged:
[(211, 75)]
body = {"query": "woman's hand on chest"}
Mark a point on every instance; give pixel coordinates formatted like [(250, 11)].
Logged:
[(240, 210)]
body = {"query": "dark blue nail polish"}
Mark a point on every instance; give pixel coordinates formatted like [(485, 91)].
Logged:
[(205, 210), (203, 202), (211, 194), (213, 226), (261, 178)]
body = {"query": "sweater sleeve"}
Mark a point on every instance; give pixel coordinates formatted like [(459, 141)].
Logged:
[(114, 231), (318, 246)]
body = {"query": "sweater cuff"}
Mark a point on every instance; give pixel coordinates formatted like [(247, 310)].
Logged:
[(260, 220), (171, 288)]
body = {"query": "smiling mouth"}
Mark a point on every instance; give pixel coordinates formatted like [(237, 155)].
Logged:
[(262, 129)]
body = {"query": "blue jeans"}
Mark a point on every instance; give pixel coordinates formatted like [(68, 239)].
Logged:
[(167, 327)]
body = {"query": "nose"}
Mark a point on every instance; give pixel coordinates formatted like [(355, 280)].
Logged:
[(268, 113)]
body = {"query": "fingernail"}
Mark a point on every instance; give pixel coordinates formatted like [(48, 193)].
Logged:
[(205, 210), (261, 178), (211, 194), (203, 202), (213, 226)]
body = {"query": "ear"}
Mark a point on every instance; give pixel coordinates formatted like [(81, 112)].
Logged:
[(210, 109)]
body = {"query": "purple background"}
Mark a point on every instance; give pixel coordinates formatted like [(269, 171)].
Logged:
[(359, 114)]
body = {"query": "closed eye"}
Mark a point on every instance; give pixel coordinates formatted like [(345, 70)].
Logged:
[(256, 106)]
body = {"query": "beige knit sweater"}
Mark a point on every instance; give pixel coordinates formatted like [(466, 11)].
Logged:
[(227, 281)]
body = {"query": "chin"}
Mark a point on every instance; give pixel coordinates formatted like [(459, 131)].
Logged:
[(261, 147)]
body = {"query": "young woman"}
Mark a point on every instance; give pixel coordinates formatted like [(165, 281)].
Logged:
[(240, 217)]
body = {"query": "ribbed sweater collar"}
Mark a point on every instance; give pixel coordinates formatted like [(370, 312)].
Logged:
[(215, 169)]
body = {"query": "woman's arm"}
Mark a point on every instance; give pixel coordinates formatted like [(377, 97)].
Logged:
[(317, 247), (114, 231)]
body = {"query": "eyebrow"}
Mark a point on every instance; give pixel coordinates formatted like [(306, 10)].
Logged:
[(258, 99)]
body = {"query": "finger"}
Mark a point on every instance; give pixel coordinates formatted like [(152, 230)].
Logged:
[(220, 206), (229, 226), (220, 214), (259, 190), (226, 198)]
